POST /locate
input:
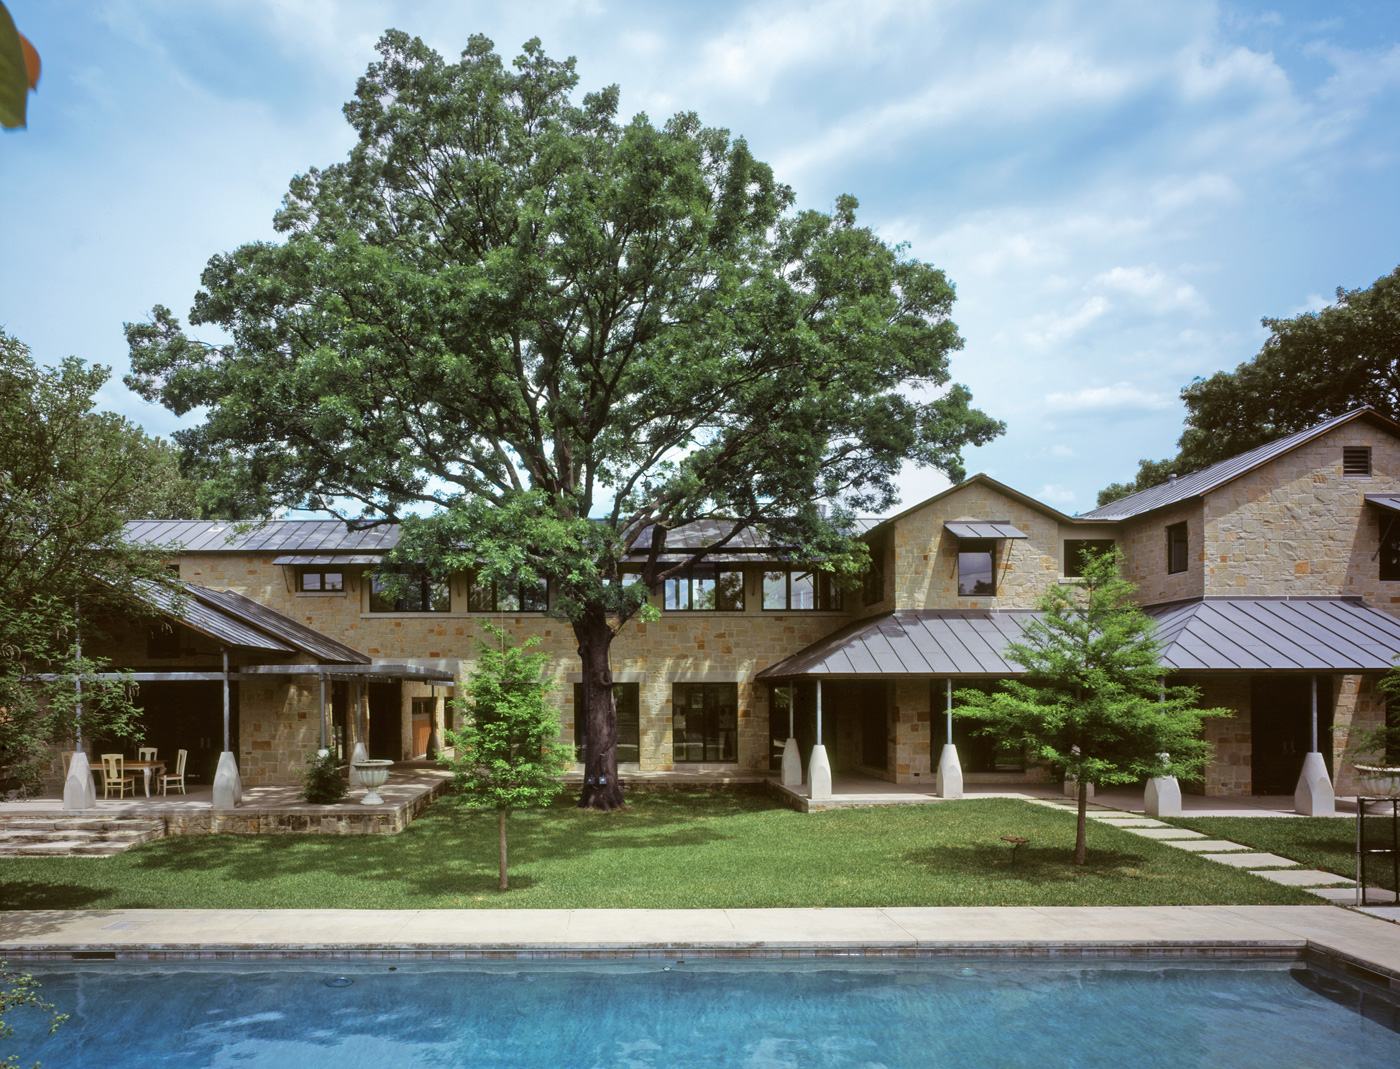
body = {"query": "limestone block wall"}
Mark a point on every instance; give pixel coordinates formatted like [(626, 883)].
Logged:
[(925, 564), (1144, 545), (912, 721), (1298, 526), (1229, 773), (279, 724), (1358, 705)]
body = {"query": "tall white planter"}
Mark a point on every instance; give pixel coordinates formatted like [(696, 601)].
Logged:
[(792, 764), (1313, 796), (228, 784), (950, 777), (359, 753), (819, 775), (78, 789)]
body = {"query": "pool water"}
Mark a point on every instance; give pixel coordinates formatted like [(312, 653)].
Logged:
[(638, 1015)]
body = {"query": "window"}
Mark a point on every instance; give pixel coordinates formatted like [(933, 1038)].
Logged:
[(705, 721), (628, 700), (162, 641), (1356, 460), (874, 586), (1176, 548), (706, 588), (420, 593), (506, 596), (797, 590), (1390, 553), (320, 581), (1075, 548), (976, 567)]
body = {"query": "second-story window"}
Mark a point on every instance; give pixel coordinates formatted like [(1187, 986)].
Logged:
[(421, 593), (321, 581), (873, 589), (1075, 550), (706, 588), (1177, 548), (799, 589), (507, 596), (1390, 554), (976, 567)]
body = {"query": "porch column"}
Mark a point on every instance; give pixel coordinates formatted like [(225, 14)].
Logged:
[(360, 753), (1313, 796), (950, 777), (322, 676), (819, 768), (78, 789), (228, 784), (792, 759), (1162, 796)]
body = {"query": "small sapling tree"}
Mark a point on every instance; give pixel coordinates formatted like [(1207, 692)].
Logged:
[(1092, 703), (508, 751)]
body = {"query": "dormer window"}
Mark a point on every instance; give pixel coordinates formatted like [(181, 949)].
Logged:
[(1356, 461), (977, 567), (321, 581)]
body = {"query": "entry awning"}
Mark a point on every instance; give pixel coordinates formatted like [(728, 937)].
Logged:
[(1204, 635), (984, 530), (328, 558)]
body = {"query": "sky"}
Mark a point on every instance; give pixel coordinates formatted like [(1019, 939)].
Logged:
[(1120, 191)]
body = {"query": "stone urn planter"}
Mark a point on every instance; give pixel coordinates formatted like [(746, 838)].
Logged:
[(1378, 781), (372, 773)]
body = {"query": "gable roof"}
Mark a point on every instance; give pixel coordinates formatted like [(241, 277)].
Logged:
[(867, 526), (1216, 475)]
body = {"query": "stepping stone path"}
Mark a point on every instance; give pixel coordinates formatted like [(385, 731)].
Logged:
[(1340, 890)]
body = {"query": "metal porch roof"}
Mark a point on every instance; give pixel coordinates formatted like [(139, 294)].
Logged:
[(1208, 635), (984, 530), (298, 636), (212, 620)]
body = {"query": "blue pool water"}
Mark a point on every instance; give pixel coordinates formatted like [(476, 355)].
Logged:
[(635, 1015)]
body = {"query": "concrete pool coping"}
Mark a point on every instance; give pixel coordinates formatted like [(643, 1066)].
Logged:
[(1362, 944)]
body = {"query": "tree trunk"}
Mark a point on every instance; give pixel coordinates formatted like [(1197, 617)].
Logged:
[(1080, 837), (505, 885), (601, 789)]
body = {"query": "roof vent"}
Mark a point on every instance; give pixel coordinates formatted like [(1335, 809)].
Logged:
[(1171, 479), (1356, 460)]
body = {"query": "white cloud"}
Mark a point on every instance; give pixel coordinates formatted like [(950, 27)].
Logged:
[(1055, 494), (1120, 395), (1152, 289)]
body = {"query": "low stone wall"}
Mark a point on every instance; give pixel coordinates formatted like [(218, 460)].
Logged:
[(351, 819)]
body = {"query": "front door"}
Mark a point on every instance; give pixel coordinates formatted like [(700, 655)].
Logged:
[(1281, 729)]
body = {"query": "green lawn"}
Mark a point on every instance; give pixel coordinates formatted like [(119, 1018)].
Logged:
[(673, 850), (1327, 843)]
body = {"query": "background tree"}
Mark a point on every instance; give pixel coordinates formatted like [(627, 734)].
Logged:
[(559, 334), (1314, 366), (70, 478), (1092, 704), (508, 752)]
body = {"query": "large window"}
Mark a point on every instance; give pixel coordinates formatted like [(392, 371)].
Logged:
[(1390, 553), (706, 588), (977, 567), (627, 698), (420, 592), (1076, 548), (507, 596), (799, 589), (705, 721), (1177, 548), (321, 581)]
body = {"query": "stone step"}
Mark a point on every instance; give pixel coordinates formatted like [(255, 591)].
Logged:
[(95, 848), (75, 837)]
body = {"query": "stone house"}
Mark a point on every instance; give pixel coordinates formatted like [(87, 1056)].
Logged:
[(1269, 572)]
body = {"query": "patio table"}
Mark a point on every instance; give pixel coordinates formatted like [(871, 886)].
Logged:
[(146, 768)]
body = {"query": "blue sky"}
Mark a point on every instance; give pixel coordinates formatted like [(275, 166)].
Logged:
[(1119, 190)]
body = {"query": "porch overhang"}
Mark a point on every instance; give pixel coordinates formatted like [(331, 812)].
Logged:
[(1327, 635), (981, 531)]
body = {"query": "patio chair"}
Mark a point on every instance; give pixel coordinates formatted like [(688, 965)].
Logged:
[(146, 753), (114, 774), (179, 775)]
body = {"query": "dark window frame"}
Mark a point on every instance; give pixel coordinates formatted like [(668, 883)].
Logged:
[(1389, 553), (627, 699), (1073, 563), (873, 585), (322, 574), (826, 593), (427, 595), (970, 547), (1178, 548), (687, 583), (718, 712), (485, 597)]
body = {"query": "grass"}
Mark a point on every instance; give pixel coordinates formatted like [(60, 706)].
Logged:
[(1327, 843), (666, 850)]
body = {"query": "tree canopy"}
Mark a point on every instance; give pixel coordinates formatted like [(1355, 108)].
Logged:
[(555, 332), (1313, 366), (1093, 704), (70, 479)]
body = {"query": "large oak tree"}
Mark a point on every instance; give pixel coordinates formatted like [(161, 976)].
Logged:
[(1312, 367), (533, 334)]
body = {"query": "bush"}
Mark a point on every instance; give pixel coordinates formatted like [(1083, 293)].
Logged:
[(322, 783)]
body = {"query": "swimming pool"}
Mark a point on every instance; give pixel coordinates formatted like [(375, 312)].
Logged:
[(637, 1015)]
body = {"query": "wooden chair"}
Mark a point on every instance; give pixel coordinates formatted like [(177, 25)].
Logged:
[(146, 753), (114, 774), (179, 775)]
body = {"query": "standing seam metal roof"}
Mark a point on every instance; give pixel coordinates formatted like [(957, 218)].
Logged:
[(280, 536)]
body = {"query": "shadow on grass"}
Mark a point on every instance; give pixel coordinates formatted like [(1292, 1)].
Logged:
[(37, 894), (1045, 865)]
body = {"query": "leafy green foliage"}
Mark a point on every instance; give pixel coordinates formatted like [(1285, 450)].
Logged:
[(19, 72), (559, 332), (322, 783), (1312, 367), (70, 478), (1092, 703), (20, 991)]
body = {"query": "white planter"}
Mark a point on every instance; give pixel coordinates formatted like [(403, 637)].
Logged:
[(372, 772), (1377, 781)]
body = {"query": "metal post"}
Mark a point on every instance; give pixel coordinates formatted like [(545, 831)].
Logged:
[(792, 731), (226, 746), (78, 670), (819, 712), (1314, 712), (949, 688), (323, 710)]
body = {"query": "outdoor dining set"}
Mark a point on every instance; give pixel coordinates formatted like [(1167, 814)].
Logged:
[(118, 772)]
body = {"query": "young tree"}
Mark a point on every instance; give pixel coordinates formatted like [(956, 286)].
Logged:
[(508, 751), (1312, 367), (70, 478), (1093, 704), (562, 335)]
